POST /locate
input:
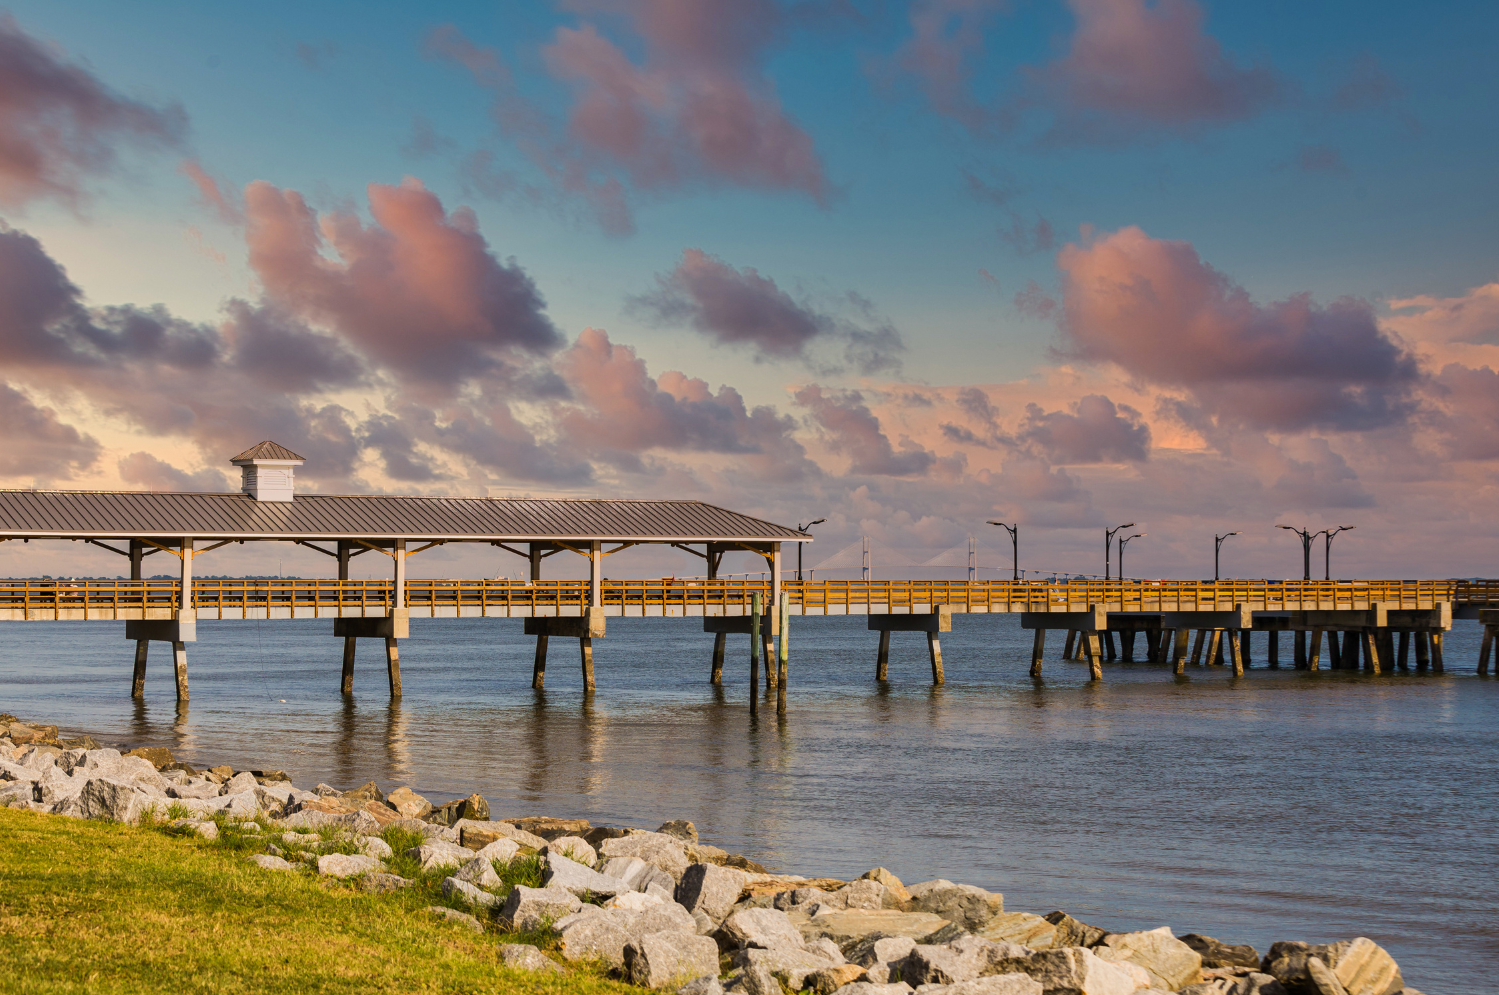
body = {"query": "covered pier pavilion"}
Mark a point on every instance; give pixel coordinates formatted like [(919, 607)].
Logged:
[(185, 526)]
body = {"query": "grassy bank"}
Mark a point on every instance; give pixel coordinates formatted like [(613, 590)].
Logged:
[(98, 907)]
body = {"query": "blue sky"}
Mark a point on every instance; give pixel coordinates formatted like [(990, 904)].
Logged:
[(1366, 173)]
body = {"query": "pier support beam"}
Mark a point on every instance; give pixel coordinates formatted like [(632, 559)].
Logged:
[(1403, 655), (1272, 650), (932, 623), (1068, 649), (1179, 651), (1334, 654), (1300, 640), (393, 665), (179, 667), (1489, 617), (585, 628), (138, 681), (1235, 652), (720, 644), (1314, 659), (882, 661), (1038, 651), (1215, 648)]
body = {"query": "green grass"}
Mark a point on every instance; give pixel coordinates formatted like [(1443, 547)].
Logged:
[(98, 907)]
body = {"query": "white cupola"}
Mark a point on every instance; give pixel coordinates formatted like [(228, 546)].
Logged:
[(266, 471)]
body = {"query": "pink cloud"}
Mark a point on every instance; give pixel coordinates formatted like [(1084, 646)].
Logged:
[(1158, 311), (145, 470), (947, 37), (696, 108), (853, 430), (1137, 64), (211, 193), (1096, 430), (60, 125), (38, 444), (418, 288)]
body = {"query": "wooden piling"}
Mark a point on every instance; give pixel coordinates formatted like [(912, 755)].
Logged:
[(768, 646), (138, 682), (1127, 644), (1038, 650), (1179, 651), (1484, 650), (1437, 665), (1236, 652), (1403, 661), (1334, 654), (1314, 659), (1272, 650), (754, 652), (934, 648), (784, 655), (1095, 655), (539, 668), (1244, 645), (1197, 647), (720, 644), (1215, 648), (1423, 650), (1108, 644), (179, 664), (393, 666), (585, 650), (1387, 648), (1300, 650), (346, 685), (882, 662), (1371, 651), (1067, 650), (1351, 650)]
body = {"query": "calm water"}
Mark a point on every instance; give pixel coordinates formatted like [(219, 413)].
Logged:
[(1286, 805)]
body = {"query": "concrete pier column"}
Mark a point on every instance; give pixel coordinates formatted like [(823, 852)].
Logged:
[(1038, 651), (1437, 665), (393, 665), (1202, 635), (1244, 645), (882, 662), (1108, 644), (138, 682), (1423, 650), (934, 649), (720, 644), (1069, 649), (1334, 655), (1095, 655), (1179, 651), (539, 666), (1272, 649), (1235, 652), (346, 686), (1387, 649), (1351, 650), (1403, 660), (1371, 651), (1127, 645), (1300, 649), (1215, 648), (755, 644), (585, 650), (179, 664), (1314, 659), (1485, 650)]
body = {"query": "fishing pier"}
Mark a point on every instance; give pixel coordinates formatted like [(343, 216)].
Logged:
[(1369, 625)]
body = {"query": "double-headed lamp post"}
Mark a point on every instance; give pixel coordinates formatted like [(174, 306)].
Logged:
[(1217, 545), (803, 528), (1327, 547), (1306, 548), (1014, 531), (1108, 541), (1122, 541)]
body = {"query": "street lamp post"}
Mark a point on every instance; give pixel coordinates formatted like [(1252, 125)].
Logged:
[(1217, 545), (1014, 531), (1108, 542), (1122, 541), (1327, 547), (803, 528), (1306, 549)]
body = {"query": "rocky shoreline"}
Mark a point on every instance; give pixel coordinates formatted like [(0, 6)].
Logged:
[(660, 909)]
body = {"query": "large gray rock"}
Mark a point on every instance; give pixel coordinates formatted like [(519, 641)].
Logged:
[(1075, 971), (668, 917), (574, 848), (963, 959), (669, 960), (830, 979), (1023, 928), (23, 791), (1360, 965), (708, 984), (1071, 932), (407, 802), (680, 828), (102, 798), (193, 789), (806, 899), (381, 884), (790, 966), (969, 907), (272, 798), (640, 875), (454, 888), (1170, 963), (1216, 953), (569, 875), (243, 781), (523, 956), (347, 865), (373, 846), (708, 888), (654, 848), (502, 850), (360, 823), (874, 988), (53, 786), (866, 893), (849, 927), (594, 935), (479, 872), (767, 929), (437, 855), (877, 949), (997, 984), (485, 831), (531, 908), (267, 862)]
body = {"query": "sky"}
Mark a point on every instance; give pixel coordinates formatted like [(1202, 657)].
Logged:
[(906, 267)]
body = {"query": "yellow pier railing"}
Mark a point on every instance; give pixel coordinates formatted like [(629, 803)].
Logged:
[(125, 599)]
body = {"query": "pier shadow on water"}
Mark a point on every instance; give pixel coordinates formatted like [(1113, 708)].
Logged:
[(1282, 805)]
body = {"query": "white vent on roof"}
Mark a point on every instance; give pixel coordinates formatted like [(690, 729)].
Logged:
[(266, 471)]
